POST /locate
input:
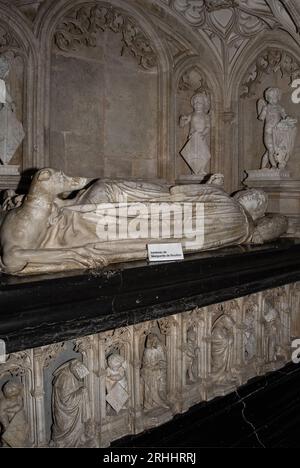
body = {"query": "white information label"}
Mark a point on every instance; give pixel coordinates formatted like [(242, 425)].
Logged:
[(164, 252)]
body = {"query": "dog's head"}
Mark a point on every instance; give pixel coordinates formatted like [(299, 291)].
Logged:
[(53, 182)]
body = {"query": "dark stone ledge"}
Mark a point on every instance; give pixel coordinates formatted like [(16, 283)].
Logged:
[(39, 310)]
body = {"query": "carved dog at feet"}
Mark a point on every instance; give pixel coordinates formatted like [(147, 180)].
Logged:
[(23, 229)]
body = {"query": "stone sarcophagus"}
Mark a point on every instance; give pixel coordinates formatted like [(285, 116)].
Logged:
[(97, 356)]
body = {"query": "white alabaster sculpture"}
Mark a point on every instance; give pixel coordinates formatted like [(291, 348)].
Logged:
[(116, 382), (154, 374), (13, 422), (192, 352), (196, 151), (11, 129), (70, 418), (222, 342), (279, 130), (47, 233), (272, 324)]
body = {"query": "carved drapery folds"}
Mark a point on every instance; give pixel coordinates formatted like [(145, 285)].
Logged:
[(81, 28), (105, 386), (270, 61)]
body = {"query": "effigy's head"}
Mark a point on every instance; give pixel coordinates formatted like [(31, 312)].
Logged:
[(201, 101), (54, 182), (254, 201), (273, 95)]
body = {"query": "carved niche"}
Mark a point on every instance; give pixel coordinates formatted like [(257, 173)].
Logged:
[(109, 109), (116, 377), (224, 344), (157, 370), (275, 317), (12, 97), (82, 26), (16, 401), (273, 68), (251, 330)]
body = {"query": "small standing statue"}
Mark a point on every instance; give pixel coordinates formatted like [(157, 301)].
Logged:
[(272, 325), (11, 130), (279, 130), (222, 349), (13, 423), (154, 374), (116, 382), (192, 352), (196, 151), (69, 400)]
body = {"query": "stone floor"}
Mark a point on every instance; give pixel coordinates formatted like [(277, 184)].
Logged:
[(265, 413)]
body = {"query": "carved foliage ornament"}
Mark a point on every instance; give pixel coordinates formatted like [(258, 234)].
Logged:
[(270, 61), (82, 27), (193, 80)]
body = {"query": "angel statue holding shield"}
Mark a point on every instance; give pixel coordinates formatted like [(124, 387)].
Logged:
[(279, 131)]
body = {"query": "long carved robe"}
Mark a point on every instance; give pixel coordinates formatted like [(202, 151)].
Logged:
[(68, 410), (154, 374), (222, 350)]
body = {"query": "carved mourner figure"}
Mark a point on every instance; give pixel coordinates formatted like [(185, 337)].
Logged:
[(272, 326), (222, 347), (196, 151), (192, 351), (116, 382), (154, 374), (47, 233), (250, 336), (13, 423), (69, 400)]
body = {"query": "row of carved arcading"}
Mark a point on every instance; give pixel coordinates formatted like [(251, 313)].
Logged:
[(71, 27), (105, 386)]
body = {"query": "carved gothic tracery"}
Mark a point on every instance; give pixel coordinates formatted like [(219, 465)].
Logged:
[(81, 28), (7, 40), (179, 361), (228, 22)]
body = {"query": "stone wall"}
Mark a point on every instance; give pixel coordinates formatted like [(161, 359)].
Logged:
[(99, 86), (96, 389)]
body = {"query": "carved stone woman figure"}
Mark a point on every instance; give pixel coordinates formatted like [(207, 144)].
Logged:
[(13, 423), (191, 352), (154, 374), (222, 347), (271, 322), (250, 332), (68, 405)]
